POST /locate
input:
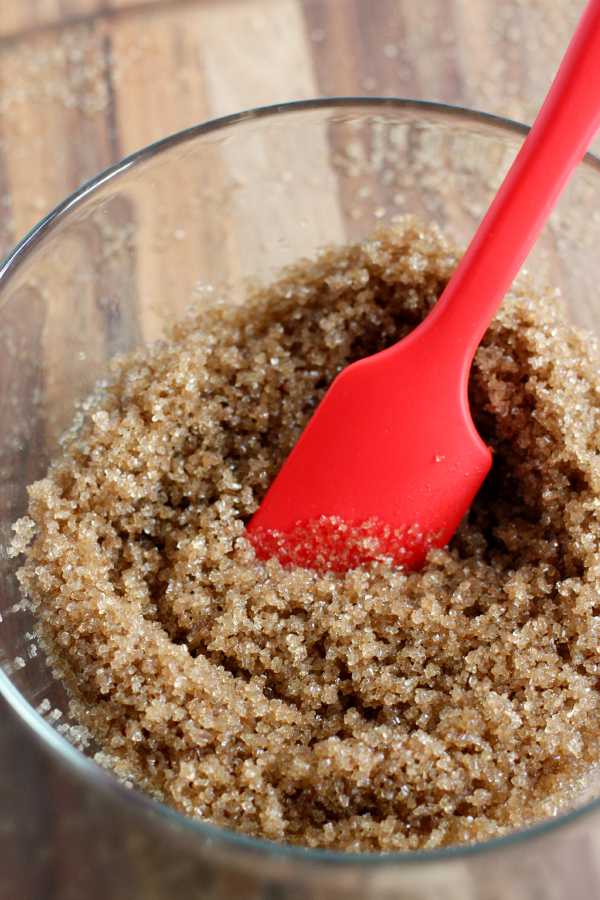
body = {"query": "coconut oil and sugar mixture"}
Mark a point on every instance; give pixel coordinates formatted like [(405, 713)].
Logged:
[(367, 710)]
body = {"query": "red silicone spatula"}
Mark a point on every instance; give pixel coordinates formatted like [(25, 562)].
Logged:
[(391, 460)]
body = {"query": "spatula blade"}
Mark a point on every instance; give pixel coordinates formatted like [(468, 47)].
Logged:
[(387, 467)]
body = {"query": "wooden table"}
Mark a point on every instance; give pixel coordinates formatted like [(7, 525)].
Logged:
[(86, 82)]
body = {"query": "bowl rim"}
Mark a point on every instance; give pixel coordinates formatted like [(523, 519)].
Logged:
[(74, 758)]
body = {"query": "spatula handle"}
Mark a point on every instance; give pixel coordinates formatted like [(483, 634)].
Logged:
[(561, 134)]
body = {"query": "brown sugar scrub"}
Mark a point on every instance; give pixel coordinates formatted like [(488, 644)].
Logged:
[(369, 710)]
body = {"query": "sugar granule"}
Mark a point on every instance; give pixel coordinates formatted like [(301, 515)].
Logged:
[(368, 710)]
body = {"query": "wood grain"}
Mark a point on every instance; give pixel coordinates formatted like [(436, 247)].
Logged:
[(17, 18), (55, 118), (77, 97)]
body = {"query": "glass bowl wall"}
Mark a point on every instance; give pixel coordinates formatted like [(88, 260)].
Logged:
[(200, 213)]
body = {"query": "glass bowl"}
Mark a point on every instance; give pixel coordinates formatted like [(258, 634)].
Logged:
[(203, 211)]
